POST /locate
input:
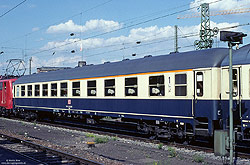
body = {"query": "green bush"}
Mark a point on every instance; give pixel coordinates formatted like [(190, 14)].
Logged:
[(101, 140), (160, 146), (90, 135), (198, 158), (114, 138), (172, 152)]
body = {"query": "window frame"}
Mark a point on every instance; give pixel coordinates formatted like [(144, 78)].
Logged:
[(89, 88), (63, 89), (157, 85), (180, 85), (199, 84), (45, 90), (17, 91), (235, 82), (76, 88), (23, 89), (108, 87), (37, 91), (130, 86), (53, 91), (30, 90)]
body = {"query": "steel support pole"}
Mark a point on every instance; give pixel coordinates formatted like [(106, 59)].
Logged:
[(30, 65), (176, 39), (231, 130)]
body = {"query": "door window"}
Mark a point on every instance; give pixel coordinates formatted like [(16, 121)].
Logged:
[(235, 82), (199, 84)]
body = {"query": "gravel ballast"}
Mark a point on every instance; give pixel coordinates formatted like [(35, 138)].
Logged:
[(107, 150)]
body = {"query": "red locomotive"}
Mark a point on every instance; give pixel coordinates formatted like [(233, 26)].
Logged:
[(6, 95)]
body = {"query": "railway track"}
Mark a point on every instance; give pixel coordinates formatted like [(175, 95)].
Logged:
[(41, 154), (205, 147)]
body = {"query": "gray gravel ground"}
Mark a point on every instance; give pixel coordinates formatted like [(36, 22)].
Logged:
[(113, 150)]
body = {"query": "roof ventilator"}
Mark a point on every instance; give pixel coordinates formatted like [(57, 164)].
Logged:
[(81, 63), (147, 56)]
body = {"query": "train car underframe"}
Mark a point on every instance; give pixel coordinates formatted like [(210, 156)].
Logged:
[(170, 130)]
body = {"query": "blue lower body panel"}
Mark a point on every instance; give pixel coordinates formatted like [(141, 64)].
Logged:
[(149, 109)]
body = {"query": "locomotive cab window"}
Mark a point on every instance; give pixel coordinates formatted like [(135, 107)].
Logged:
[(1, 86), (37, 90), (64, 89), (131, 86), (235, 82), (156, 86), (91, 87), (180, 85), (54, 89), (110, 87), (29, 90), (45, 89), (76, 90), (23, 90), (199, 84)]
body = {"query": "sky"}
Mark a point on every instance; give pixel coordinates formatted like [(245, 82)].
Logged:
[(60, 33)]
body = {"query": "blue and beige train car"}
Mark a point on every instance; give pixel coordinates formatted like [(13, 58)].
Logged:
[(181, 94), (241, 91)]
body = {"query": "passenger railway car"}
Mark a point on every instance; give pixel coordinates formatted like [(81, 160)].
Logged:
[(180, 95), (241, 91)]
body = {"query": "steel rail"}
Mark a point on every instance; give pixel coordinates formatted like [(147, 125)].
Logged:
[(76, 159)]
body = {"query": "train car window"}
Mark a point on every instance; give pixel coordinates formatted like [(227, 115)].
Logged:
[(76, 90), (180, 85), (45, 89), (1, 86), (235, 82), (156, 86), (29, 90), (110, 87), (22, 90), (64, 89), (17, 91), (91, 87), (54, 89), (131, 86), (199, 84), (37, 90)]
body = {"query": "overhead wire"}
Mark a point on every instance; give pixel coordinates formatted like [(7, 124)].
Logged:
[(151, 41), (168, 39), (12, 9), (109, 31), (133, 25), (72, 16), (135, 18)]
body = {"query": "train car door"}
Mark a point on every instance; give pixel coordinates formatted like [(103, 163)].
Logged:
[(236, 90), (204, 84), (202, 108), (202, 91)]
